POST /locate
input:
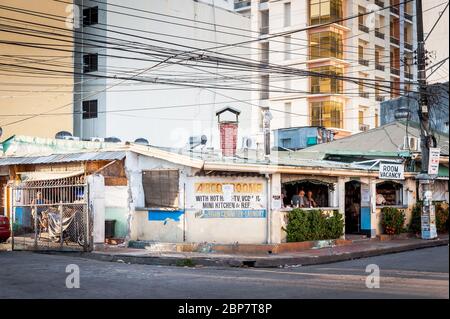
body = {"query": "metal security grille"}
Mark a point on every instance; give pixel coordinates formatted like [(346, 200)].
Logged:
[(161, 188), (51, 214)]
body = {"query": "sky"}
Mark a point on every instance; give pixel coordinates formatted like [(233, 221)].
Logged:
[(438, 40)]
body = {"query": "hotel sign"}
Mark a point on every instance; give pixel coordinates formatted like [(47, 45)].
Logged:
[(229, 199), (391, 171)]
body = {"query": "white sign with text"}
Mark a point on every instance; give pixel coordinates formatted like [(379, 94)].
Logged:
[(433, 162), (391, 171)]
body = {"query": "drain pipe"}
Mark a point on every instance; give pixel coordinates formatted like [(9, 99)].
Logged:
[(268, 211)]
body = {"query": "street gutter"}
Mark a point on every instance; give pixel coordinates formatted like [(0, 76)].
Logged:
[(212, 260)]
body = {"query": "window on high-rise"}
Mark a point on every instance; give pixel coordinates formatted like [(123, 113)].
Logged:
[(324, 84), (287, 14), (90, 16), (326, 44), (287, 47), (90, 62), (324, 11), (90, 110), (361, 117), (287, 114), (327, 114)]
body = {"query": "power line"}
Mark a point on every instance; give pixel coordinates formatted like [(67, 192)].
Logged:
[(437, 21)]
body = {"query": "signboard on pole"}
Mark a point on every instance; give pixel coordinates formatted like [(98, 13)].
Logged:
[(433, 163), (428, 222), (391, 171)]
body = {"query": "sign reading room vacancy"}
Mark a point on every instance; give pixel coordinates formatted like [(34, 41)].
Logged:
[(230, 200), (391, 171)]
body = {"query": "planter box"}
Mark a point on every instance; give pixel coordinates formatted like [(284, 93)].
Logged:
[(384, 237)]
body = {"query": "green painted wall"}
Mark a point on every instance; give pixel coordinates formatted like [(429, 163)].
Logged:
[(119, 214)]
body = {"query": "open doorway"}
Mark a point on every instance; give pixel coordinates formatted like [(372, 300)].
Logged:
[(353, 207)]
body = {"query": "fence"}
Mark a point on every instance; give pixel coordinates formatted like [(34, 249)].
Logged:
[(51, 214)]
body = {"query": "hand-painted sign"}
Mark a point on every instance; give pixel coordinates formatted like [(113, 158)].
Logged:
[(252, 213), (217, 188), (428, 222), (391, 171), (433, 163), (241, 197)]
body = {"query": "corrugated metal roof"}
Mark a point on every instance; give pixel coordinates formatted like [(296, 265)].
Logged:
[(386, 140), (63, 158), (45, 176)]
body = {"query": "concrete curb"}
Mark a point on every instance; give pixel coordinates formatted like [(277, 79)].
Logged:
[(252, 261)]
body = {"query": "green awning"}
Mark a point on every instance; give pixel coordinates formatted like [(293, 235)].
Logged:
[(443, 171)]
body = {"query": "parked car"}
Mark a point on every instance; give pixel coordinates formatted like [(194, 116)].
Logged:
[(5, 231)]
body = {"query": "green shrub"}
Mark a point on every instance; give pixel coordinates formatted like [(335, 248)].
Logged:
[(335, 225), (298, 226), (441, 210), (313, 225), (392, 220), (442, 221), (415, 226)]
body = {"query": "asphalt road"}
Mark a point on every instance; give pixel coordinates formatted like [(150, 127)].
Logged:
[(415, 274)]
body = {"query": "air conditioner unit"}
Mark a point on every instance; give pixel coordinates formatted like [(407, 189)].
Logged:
[(97, 139), (248, 142), (411, 143), (71, 138)]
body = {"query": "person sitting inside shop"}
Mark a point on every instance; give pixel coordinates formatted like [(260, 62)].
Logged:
[(299, 200), (380, 200), (310, 200)]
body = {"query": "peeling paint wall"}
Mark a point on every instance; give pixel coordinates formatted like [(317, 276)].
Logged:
[(116, 208)]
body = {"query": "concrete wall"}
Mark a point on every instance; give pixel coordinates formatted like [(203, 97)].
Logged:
[(24, 93), (96, 184), (196, 220), (116, 208)]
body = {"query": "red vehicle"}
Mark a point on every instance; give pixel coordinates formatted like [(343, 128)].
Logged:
[(5, 232)]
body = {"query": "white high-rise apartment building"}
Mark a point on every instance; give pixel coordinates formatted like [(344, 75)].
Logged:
[(175, 97), (376, 50)]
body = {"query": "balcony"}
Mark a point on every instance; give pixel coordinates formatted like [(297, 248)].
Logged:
[(408, 46), (395, 71), (364, 95), (242, 4), (379, 98), (379, 3), (408, 17), (395, 41), (264, 30), (364, 127), (379, 67), (394, 10), (363, 28), (379, 34), (364, 62), (408, 75)]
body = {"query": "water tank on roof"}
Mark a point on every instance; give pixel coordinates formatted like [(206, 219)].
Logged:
[(63, 135), (141, 141), (112, 139)]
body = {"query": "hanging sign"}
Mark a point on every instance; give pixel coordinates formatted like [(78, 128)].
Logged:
[(391, 171), (433, 162)]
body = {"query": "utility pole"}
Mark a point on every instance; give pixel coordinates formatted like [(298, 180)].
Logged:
[(426, 140)]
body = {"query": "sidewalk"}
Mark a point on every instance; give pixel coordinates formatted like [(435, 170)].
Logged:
[(360, 249)]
